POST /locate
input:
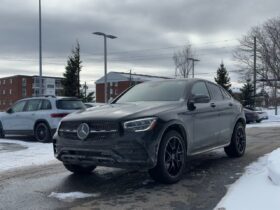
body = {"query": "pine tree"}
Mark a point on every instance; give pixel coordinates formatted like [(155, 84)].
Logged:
[(222, 78), (71, 80), (247, 94)]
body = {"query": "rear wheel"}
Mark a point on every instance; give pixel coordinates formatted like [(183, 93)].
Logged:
[(2, 134), (171, 159), (238, 142), (77, 169), (42, 132)]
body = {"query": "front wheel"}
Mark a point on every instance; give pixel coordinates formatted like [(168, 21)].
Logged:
[(76, 169), (171, 159), (238, 142), (42, 132)]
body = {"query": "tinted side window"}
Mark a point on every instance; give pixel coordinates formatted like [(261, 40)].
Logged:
[(32, 105), (46, 104), (199, 89), (215, 92), (18, 107), (69, 104)]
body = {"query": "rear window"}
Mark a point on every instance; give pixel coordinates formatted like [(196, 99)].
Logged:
[(69, 104)]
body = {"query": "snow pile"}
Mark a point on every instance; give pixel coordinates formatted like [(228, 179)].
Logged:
[(71, 196), (34, 154), (273, 166), (256, 189)]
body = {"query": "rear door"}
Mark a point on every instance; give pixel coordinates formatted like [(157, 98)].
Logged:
[(222, 109), (205, 119), (227, 116), (31, 113)]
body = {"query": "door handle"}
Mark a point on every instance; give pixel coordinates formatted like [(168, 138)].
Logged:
[(213, 105)]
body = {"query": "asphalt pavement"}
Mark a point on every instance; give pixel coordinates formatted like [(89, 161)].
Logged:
[(205, 182)]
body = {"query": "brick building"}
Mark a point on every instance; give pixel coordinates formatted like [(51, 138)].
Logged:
[(117, 82), (17, 87)]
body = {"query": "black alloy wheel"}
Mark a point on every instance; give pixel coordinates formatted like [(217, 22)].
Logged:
[(171, 159), (42, 132), (237, 145), (173, 156)]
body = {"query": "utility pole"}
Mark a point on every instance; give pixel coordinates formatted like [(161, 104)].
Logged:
[(255, 70), (193, 60), (40, 52)]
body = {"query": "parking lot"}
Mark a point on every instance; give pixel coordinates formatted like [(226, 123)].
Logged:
[(204, 183)]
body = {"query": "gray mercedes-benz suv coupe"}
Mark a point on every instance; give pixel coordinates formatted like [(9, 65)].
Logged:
[(153, 126)]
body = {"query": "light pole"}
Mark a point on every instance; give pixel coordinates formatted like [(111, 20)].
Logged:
[(105, 36), (40, 51), (193, 60)]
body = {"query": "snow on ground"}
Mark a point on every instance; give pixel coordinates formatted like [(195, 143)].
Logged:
[(273, 120), (258, 188), (33, 154), (71, 196)]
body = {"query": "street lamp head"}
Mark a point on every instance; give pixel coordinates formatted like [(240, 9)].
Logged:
[(99, 33), (105, 35), (111, 36)]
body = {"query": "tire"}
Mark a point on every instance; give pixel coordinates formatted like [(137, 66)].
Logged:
[(258, 121), (2, 133), (76, 169), (237, 145), (42, 132), (171, 159)]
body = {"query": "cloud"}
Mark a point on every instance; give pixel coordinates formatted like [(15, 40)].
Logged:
[(150, 30)]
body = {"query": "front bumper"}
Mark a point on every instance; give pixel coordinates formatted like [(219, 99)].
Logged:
[(127, 150)]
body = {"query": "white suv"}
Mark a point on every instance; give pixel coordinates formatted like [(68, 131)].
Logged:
[(38, 116)]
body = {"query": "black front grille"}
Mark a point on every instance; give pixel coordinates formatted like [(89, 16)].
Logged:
[(100, 130)]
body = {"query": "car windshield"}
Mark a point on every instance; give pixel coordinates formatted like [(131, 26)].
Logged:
[(69, 104), (172, 90)]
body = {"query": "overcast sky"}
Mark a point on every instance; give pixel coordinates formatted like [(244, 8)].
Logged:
[(148, 32)]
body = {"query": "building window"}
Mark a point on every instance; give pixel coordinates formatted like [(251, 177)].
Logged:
[(0, 82), (11, 81), (4, 92), (4, 81), (23, 92), (10, 91), (23, 81)]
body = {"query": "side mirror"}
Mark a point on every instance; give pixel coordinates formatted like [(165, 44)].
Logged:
[(10, 111), (191, 105), (196, 100), (201, 99)]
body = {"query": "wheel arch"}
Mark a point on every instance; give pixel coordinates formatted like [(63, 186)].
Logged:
[(177, 126), (40, 121)]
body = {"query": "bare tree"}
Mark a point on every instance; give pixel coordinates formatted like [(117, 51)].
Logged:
[(267, 51), (183, 64)]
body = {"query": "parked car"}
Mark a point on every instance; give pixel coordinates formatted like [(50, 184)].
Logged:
[(38, 116), (154, 126), (90, 104), (253, 115)]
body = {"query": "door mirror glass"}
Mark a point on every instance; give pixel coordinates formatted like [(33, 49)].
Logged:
[(201, 99)]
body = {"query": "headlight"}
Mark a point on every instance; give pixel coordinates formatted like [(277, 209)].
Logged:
[(139, 125)]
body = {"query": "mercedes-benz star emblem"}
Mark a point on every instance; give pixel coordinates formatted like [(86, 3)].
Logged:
[(83, 131)]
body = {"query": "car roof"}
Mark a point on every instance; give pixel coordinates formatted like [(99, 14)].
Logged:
[(51, 97)]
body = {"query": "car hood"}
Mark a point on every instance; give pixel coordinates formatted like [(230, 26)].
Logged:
[(121, 111)]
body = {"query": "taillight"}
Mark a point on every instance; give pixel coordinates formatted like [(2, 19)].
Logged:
[(58, 115)]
